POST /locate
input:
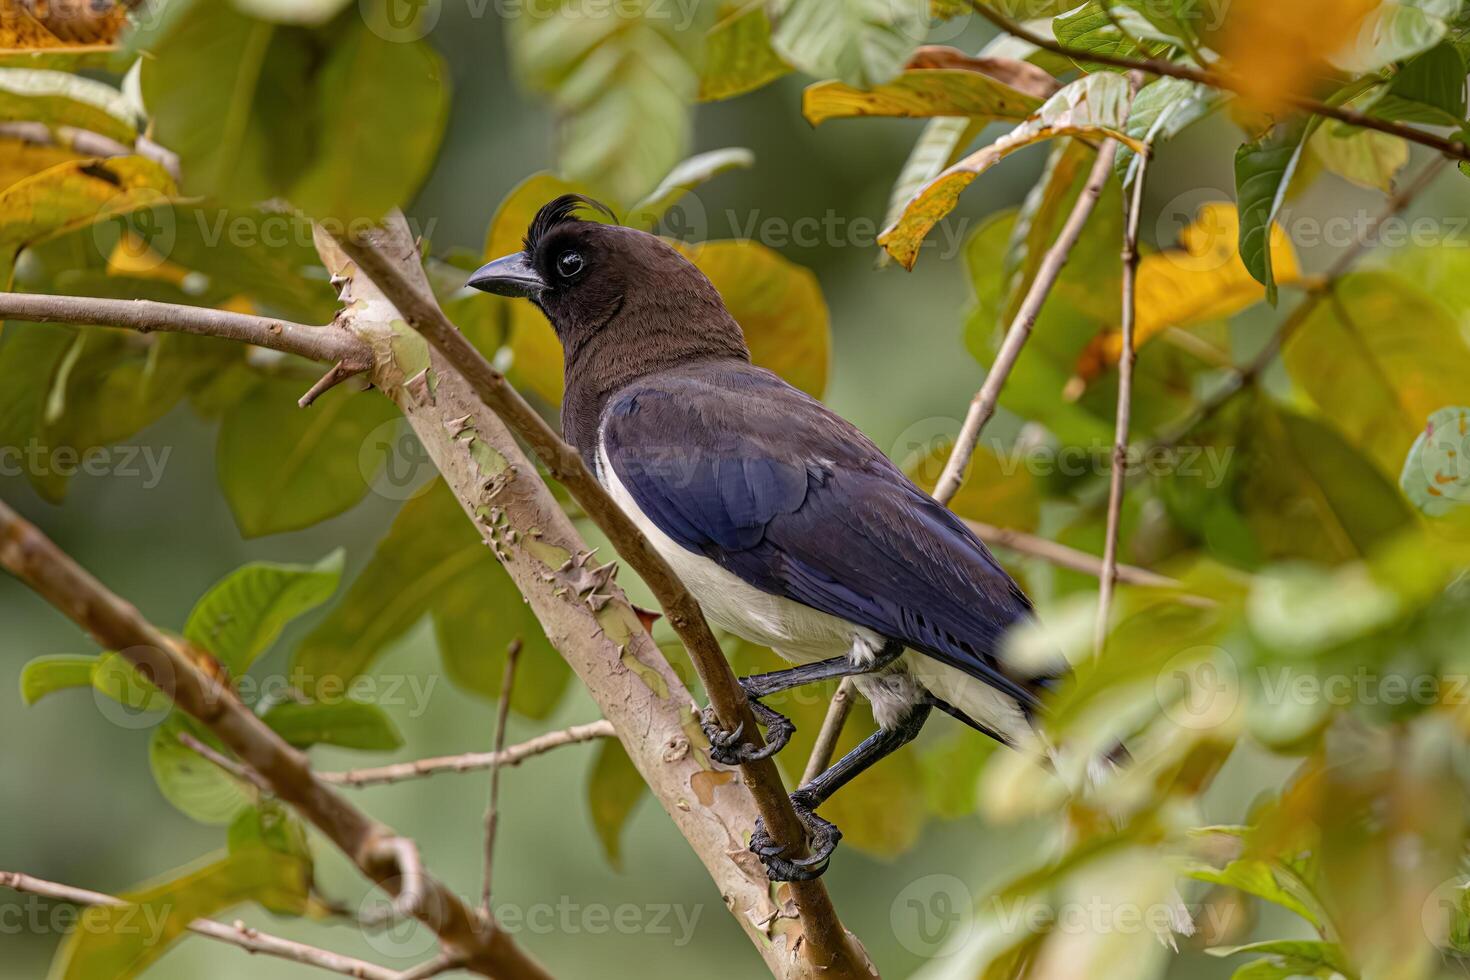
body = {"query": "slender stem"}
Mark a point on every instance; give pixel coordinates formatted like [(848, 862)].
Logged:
[(492, 811), (328, 343), (825, 942), (471, 761), (1221, 80), (442, 963), (238, 934), (243, 773), (171, 665), (826, 744), (1127, 358), (982, 406), (88, 143), (1319, 289)]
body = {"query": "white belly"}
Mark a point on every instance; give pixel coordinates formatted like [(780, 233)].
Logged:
[(801, 634)]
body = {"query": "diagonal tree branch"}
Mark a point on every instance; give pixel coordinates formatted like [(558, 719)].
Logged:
[(982, 406), (1217, 79), (172, 665), (238, 934), (391, 262)]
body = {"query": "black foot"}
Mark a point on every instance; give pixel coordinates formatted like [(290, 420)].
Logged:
[(727, 748), (822, 836)]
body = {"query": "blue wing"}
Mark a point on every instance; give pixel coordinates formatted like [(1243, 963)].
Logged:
[(734, 464)]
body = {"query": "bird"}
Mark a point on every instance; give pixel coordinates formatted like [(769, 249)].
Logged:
[(786, 523)]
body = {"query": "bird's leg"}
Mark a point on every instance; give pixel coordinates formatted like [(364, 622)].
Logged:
[(822, 836), (729, 749)]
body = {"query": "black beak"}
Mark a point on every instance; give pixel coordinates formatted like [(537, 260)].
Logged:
[(511, 275)]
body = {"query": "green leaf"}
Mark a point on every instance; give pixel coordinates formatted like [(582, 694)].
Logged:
[(347, 724), (1302, 491), (1436, 474), (114, 676), (242, 614), (1254, 878), (1263, 170), (1164, 108), (120, 942), (270, 828), (860, 42), (422, 554), (920, 93), (46, 675), (685, 177), (1294, 957), (1094, 106), (621, 85), (1395, 30), (738, 56), (196, 786), (1378, 358), (1435, 79), (283, 467), (74, 195), (224, 92), (1095, 29), (59, 98), (614, 789), (475, 618), (371, 86), (433, 561)]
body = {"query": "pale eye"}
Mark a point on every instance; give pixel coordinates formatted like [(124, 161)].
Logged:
[(568, 264)]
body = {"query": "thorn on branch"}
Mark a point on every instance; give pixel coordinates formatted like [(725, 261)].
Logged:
[(339, 373)]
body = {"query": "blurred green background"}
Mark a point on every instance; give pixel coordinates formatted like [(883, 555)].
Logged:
[(79, 806)]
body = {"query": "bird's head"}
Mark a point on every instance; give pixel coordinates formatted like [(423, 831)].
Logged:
[(623, 287)]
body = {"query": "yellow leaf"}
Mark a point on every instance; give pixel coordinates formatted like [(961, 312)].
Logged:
[(997, 491), (1093, 106), (777, 303), (19, 159), (1202, 280), (74, 195), (919, 93), (30, 25), (1277, 47)]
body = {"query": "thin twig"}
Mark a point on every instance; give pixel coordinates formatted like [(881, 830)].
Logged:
[(826, 744), (237, 934), (243, 773), (329, 343), (492, 811), (824, 940), (442, 963), (88, 143), (1318, 290), (1215, 78), (1127, 357), (982, 406), (378, 852), (471, 761)]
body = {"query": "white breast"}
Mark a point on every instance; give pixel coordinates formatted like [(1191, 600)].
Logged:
[(798, 633)]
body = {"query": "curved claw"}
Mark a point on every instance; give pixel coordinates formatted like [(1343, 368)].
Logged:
[(728, 749), (822, 835)]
